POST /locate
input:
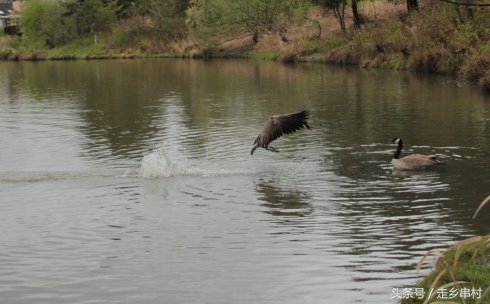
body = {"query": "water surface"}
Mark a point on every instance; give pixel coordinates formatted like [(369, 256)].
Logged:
[(132, 181)]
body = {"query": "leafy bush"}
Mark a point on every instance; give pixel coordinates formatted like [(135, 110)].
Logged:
[(43, 25), (429, 60), (485, 81), (90, 16), (217, 20), (391, 36), (130, 32), (476, 68)]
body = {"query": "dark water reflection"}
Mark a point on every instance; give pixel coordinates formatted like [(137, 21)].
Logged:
[(284, 202), (132, 182)]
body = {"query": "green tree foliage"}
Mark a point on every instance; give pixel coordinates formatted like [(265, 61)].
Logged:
[(262, 16), (210, 21), (127, 7), (218, 19), (168, 17), (158, 20), (43, 24), (91, 15), (337, 7), (48, 23)]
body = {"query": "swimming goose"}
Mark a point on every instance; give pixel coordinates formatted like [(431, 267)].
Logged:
[(279, 125), (412, 161)]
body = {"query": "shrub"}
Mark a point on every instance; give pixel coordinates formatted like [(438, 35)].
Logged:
[(43, 25), (130, 32), (485, 81), (430, 60), (477, 67), (390, 37), (90, 16)]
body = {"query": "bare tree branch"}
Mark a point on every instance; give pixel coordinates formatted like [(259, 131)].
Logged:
[(465, 3)]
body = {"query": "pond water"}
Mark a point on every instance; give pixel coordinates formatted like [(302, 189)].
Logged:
[(132, 181)]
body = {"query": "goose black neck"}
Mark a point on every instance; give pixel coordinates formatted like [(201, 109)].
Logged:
[(398, 150)]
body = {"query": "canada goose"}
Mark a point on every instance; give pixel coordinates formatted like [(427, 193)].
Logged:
[(279, 125), (412, 161)]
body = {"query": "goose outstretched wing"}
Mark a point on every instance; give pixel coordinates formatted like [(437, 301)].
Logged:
[(279, 125)]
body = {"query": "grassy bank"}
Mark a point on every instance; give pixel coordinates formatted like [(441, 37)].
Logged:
[(461, 275), (433, 40), (104, 46), (438, 38)]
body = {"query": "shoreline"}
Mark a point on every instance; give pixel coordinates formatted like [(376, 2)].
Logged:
[(460, 273), (317, 58), (433, 39)]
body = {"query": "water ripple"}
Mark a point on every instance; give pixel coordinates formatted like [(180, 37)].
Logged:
[(132, 182)]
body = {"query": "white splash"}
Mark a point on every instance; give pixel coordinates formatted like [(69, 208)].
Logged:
[(159, 164), (163, 163)]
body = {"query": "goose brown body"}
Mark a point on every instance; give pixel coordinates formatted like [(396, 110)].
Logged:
[(412, 161), (279, 125)]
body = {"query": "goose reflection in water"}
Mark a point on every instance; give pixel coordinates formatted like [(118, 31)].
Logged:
[(284, 202)]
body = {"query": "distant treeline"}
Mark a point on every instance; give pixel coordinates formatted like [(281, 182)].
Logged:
[(50, 23)]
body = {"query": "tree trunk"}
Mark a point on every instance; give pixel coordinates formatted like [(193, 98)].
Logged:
[(339, 13), (255, 37), (412, 5), (355, 13), (469, 10)]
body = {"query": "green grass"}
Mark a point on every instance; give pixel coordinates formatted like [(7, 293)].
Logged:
[(86, 47), (82, 48), (7, 44), (464, 265), (268, 55)]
